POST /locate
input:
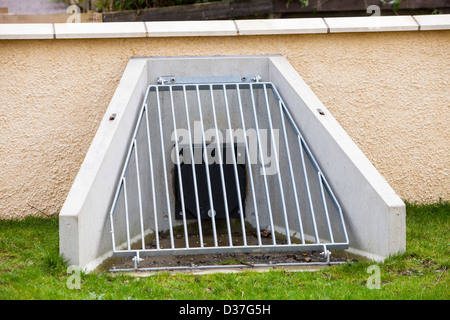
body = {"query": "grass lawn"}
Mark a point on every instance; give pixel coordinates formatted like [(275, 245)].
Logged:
[(31, 268)]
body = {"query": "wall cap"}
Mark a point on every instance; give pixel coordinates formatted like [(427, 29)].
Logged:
[(100, 30), (372, 24), (223, 27), (433, 22), (191, 28), (27, 31)]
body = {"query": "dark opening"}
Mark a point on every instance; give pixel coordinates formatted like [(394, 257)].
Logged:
[(216, 182)]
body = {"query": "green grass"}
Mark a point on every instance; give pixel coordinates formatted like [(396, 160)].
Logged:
[(31, 268)]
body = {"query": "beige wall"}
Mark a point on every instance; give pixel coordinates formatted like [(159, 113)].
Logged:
[(390, 92)]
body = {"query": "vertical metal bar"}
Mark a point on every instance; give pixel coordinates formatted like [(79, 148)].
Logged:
[(219, 152), (338, 207), (266, 188), (194, 176), (164, 168), (291, 171), (152, 178), (280, 183), (139, 193), (236, 176), (308, 191), (205, 156), (322, 180), (325, 207), (111, 215), (127, 221), (180, 179), (305, 174)]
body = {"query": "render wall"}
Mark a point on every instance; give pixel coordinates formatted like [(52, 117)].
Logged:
[(389, 91)]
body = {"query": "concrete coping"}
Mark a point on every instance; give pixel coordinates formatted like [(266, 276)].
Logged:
[(223, 27)]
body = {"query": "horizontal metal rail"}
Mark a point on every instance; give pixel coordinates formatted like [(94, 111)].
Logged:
[(231, 249), (213, 100), (231, 266)]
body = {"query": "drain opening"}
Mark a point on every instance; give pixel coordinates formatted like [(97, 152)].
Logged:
[(221, 168), (229, 181)]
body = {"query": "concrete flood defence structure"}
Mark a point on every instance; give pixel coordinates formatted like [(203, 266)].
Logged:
[(384, 79), (373, 213)]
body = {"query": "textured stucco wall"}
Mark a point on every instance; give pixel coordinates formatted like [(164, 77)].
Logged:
[(389, 91)]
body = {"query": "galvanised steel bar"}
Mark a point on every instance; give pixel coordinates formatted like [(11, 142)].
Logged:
[(325, 207), (338, 207), (205, 156), (291, 172), (274, 150), (194, 175), (180, 179), (305, 173), (152, 175), (139, 194), (236, 177), (264, 175), (127, 220), (222, 176), (233, 249), (308, 190), (111, 215), (166, 183)]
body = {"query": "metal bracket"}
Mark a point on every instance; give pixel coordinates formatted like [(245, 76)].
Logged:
[(136, 260), (326, 254), (207, 79)]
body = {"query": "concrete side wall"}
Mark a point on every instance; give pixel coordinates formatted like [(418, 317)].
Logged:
[(389, 91)]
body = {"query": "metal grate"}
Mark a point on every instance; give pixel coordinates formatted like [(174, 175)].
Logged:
[(218, 165)]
